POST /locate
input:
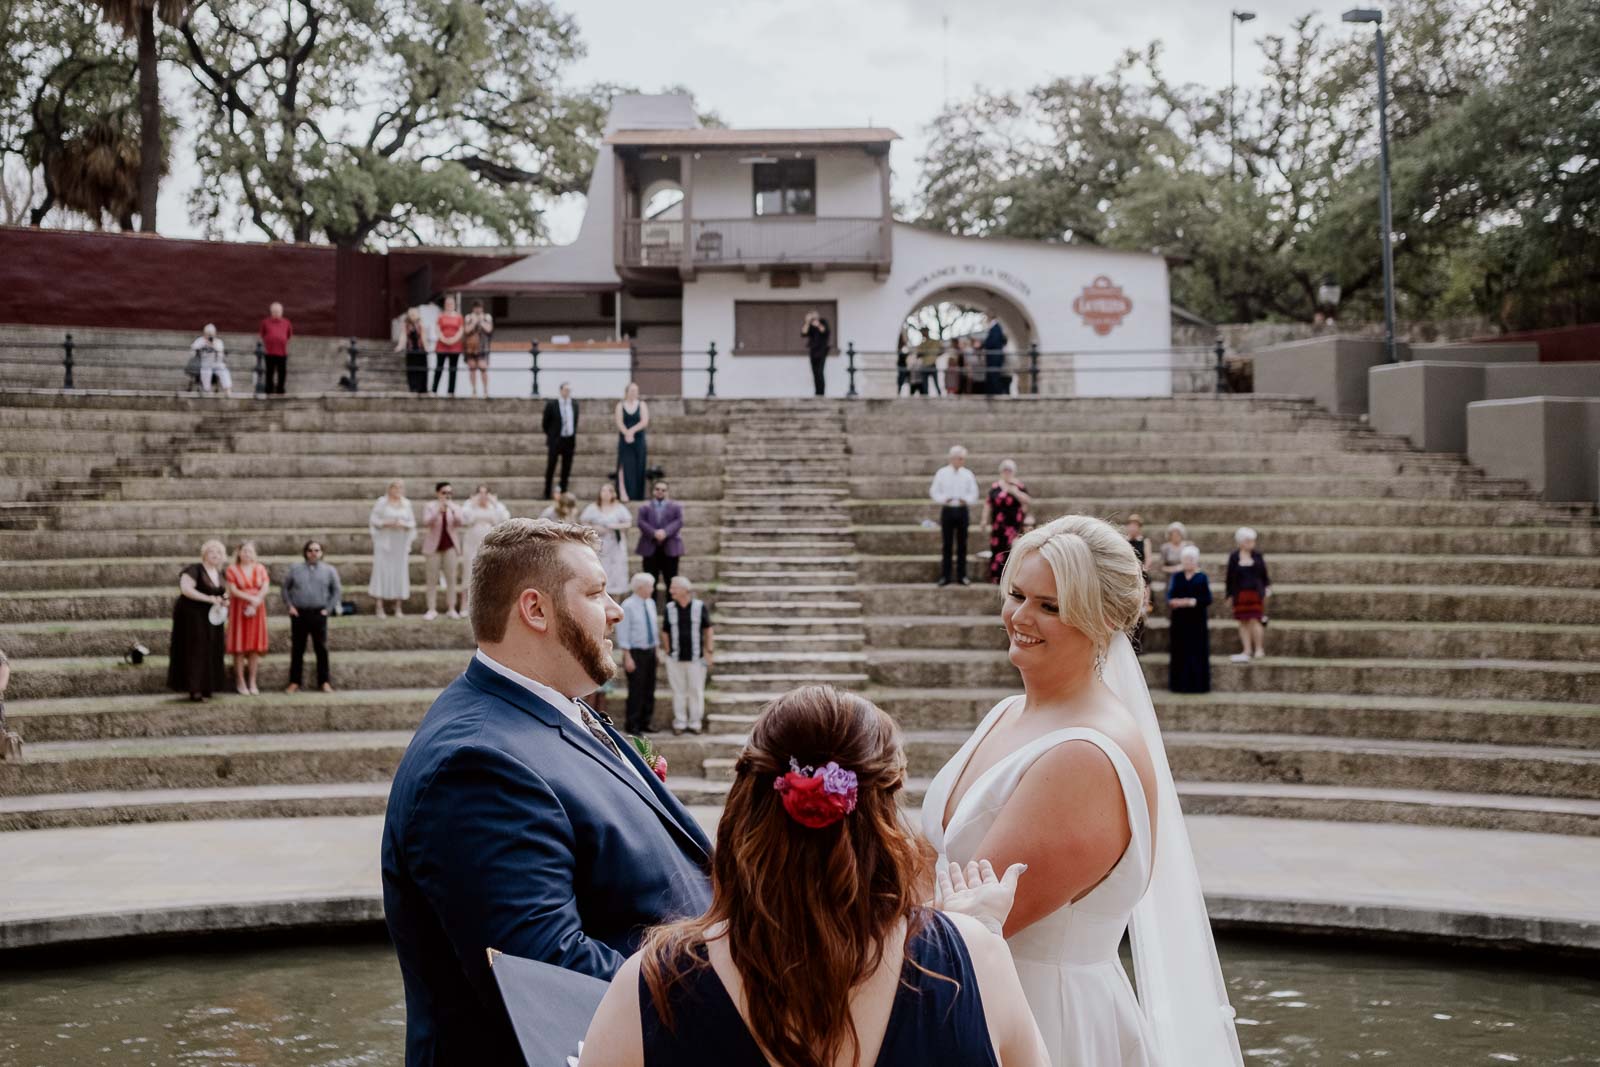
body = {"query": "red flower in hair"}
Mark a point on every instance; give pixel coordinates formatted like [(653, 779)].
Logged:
[(817, 798)]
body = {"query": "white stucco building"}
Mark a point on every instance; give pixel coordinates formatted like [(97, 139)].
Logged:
[(695, 236)]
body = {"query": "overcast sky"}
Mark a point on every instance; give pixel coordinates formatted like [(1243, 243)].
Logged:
[(855, 62)]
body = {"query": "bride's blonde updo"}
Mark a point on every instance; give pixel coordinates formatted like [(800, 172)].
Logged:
[(1099, 583)]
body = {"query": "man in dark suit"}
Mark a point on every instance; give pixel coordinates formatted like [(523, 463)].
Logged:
[(519, 819), (660, 522), (994, 357), (561, 437)]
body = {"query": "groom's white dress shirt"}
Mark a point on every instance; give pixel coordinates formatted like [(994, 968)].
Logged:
[(561, 703)]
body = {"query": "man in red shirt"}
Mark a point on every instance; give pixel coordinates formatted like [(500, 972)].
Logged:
[(451, 327), (275, 333)]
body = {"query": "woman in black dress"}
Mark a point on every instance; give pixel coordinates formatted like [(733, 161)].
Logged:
[(817, 943), (1188, 596), (633, 450), (1134, 531), (194, 664), (1005, 513)]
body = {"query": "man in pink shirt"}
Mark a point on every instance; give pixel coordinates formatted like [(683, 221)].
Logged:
[(441, 546), (275, 333)]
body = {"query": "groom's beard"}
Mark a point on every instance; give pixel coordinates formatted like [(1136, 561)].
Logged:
[(590, 652)]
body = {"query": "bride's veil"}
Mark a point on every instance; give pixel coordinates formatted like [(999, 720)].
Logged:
[(1174, 957)]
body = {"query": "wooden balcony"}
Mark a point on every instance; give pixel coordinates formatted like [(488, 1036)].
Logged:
[(754, 243)]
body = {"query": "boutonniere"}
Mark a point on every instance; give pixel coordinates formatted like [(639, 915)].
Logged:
[(652, 759)]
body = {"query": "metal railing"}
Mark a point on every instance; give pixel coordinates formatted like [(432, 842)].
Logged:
[(1031, 372), (793, 239)]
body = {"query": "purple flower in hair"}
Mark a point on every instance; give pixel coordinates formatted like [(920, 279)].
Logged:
[(840, 782)]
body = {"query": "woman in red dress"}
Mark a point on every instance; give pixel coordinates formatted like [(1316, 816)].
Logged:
[(247, 580)]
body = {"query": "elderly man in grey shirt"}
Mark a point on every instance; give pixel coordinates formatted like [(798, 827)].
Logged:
[(312, 592)]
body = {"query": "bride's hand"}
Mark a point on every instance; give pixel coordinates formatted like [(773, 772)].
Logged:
[(976, 891)]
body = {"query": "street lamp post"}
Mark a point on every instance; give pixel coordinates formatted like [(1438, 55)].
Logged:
[(1366, 14), (1233, 24)]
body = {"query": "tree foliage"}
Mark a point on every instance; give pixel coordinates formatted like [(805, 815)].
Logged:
[(362, 120), (1493, 117)]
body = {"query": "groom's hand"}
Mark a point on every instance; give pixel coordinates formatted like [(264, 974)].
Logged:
[(976, 891), (627, 661)]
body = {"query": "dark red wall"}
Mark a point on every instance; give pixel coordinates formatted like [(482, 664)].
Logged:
[(139, 281), (1563, 344)]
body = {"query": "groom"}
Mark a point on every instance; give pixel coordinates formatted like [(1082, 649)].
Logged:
[(519, 820)]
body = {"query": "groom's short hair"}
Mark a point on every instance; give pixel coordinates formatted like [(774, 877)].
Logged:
[(520, 554)]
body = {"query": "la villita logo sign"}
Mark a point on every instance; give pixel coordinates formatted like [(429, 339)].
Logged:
[(1102, 305)]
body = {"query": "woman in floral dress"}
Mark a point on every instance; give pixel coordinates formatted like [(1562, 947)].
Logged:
[(1005, 512)]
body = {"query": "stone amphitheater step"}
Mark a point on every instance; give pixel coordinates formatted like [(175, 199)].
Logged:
[(1289, 461), (1241, 487), (527, 483), (1293, 511), (1317, 638)]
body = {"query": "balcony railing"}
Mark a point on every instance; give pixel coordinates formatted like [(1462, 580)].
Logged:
[(711, 243)]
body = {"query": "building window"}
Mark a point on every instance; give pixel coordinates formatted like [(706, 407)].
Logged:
[(788, 187), (773, 327)]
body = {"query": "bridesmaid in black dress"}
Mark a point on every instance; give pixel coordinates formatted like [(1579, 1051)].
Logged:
[(194, 664), (633, 452), (839, 956), (1188, 596)]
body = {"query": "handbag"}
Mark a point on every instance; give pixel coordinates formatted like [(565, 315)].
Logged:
[(192, 368)]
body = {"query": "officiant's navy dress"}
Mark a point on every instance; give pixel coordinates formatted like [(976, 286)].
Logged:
[(511, 827), (937, 1017)]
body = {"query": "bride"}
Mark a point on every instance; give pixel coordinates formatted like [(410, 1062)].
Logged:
[(1071, 778)]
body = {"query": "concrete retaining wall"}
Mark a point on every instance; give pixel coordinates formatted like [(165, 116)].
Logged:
[(1553, 443), (1426, 401)]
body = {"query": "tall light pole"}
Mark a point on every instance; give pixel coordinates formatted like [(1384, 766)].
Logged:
[(1367, 14), (1233, 24)]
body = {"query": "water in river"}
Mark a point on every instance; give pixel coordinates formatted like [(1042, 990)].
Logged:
[(340, 1006)]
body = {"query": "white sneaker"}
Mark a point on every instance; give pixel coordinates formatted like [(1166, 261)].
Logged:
[(1239, 658), (1258, 655), (430, 615), (454, 614)]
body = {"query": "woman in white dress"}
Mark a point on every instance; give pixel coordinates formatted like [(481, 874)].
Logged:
[(1070, 777), (394, 527), (611, 518), (481, 513)]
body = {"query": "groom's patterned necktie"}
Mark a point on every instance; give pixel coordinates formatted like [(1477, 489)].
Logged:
[(598, 731)]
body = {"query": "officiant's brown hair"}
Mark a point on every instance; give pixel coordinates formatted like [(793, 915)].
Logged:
[(520, 554), (807, 909)]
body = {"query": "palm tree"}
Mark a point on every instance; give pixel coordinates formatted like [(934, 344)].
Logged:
[(138, 19)]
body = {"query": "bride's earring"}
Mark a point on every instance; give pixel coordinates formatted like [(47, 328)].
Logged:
[(1100, 664)]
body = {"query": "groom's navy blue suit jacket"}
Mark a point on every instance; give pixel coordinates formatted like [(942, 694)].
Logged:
[(511, 827)]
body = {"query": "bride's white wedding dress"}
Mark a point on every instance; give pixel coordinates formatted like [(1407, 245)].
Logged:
[(1068, 961)]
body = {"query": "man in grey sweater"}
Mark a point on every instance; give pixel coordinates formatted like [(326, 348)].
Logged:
[(312, 592)]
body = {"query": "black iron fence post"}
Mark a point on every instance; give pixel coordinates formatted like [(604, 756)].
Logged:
[(633, 361), (1222, 367), (533, 350), (850, 366), (352, 367), (711, 370), (66, 361), (261, 369), (1033, 365)]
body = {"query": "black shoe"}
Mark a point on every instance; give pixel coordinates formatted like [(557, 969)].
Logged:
[(943, 582)]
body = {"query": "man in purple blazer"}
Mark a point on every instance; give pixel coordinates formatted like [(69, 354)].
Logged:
[(660, 525)]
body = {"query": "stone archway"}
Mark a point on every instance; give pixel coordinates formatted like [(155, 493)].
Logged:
[(976, 300)]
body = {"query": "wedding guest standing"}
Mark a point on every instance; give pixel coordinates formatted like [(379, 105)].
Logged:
[(686, 634), (476, 331), (1134, 532), (1248, 588), (247, 581), (195, 660), (1189, 654), (394, 527), (610, 518), (818, 338), (994, 359), (955, 369), (311, 592), (276, 332), (414, 343), (633, 453), (1005, 514), (451, 327), (1172, 548), (564, 508), (636, 636), (441, 549), (480, 514), (817, 947), (561, 438), (955, 490), (660, 523)]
